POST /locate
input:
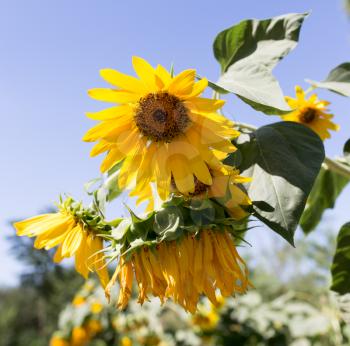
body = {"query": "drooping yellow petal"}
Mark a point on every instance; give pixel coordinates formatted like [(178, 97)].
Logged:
[(72, 241), (99, 148), (183, 177)]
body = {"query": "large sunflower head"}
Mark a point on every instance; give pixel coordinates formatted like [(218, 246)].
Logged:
[(160, 128), (74, 230), (310, 112)]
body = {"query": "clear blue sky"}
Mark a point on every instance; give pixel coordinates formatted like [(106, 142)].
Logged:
[(51, 52)]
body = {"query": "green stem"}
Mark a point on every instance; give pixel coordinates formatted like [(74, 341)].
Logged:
[(337, 167)]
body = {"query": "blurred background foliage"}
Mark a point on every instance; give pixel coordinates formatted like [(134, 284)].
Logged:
[(29, 311)]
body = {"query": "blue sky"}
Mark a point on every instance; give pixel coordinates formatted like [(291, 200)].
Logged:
[(51, 52)]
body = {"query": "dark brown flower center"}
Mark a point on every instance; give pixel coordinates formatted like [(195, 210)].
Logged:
[(308, 115), (161, 117), (199, 187)]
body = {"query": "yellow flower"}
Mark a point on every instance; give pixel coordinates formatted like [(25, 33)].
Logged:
[(93, 327), (206, 320), (96, 307), (78, 300), (160, 128), (80, 337), (311, 112), (183, 270), (125, 341), (57, 341), (71, 234), (225, 190)]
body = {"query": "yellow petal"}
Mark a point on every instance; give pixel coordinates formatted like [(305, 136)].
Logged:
[(182, 84), (198, 88), (25, 227), (72, 241), (109, 130), (113, 96), (146, 73), (81, 256), (111, 113), (201, 104), (123, 81), (299, 93), (131, 164), (99, 148), (111, 159), (164, 75), (183, 176)]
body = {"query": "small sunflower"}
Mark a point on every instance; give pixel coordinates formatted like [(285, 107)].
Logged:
[(183, 270), (58, 341), (160, 128), (68, 229), (206, 321), (311, 112), (225, 190)]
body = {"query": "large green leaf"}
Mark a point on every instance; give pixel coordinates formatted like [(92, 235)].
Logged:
[(341, 262), (324, 194), (248, 52), (283, 160), (337, 81)]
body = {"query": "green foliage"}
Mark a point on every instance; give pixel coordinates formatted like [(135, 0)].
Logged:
[(177, 217), (337, 81), (29, 312), (324, 194), (341, 262), (248, 52), (283, 160), (346, 151)]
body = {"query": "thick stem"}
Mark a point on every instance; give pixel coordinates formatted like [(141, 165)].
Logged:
[(337, 167)]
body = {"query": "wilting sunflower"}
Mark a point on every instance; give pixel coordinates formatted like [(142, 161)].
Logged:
[(70, 229), (311, 112), (161, 128), (183, 270)]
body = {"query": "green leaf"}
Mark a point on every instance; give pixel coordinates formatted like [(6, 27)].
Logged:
[(341, 262), (346, 151), (324, 194), (88, 187), (248, 52), (167, 223), (283, 160), (337, 81), (256, 86)]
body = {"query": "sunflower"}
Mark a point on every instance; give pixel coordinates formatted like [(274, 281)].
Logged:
[(160, 128), (225, 190), (311, 112), (183, 270), (58, 341), (206, 321), (69, 230)]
